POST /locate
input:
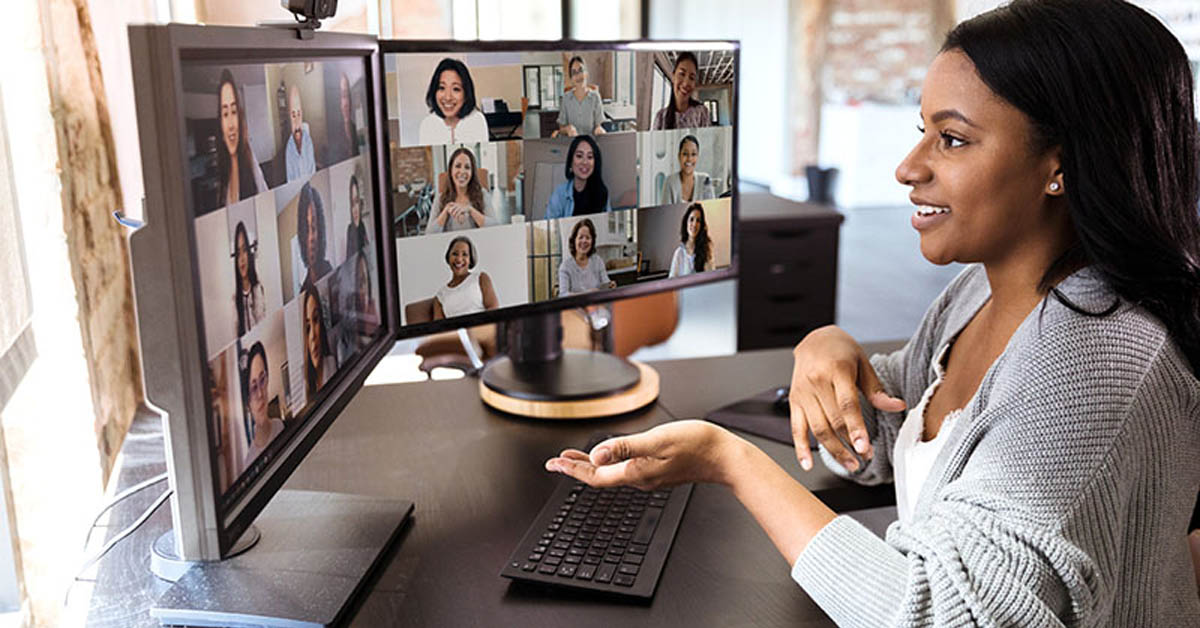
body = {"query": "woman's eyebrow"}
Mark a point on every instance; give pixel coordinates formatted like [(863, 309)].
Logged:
[(952, 113)]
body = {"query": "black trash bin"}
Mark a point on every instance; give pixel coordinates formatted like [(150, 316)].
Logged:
[(820, 184)]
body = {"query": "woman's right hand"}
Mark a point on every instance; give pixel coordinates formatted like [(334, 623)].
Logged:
[(829, 370)]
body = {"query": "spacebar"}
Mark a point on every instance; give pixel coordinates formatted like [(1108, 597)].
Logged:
[(645, 529)]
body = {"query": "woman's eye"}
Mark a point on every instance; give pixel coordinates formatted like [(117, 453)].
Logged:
[(949, 141)]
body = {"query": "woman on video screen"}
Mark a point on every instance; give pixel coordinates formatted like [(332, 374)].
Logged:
[(694, 254), (461, 203), (319, 363), (255, 379), (248, 297), (687, 185), (466, 292), (356, 231), (582, 109), (683, 112), (239, 173), (453, 116), (310, 228), (584, 191), (583, 271)]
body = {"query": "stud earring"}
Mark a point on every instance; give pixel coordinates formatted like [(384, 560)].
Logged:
[(1054, 186)]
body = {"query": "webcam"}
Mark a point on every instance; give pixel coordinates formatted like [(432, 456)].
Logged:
[(311, 11)]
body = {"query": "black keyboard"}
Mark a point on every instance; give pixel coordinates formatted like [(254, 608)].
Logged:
[(613, 540)]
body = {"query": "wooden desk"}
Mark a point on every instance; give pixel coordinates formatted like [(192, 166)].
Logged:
[(477, 479)]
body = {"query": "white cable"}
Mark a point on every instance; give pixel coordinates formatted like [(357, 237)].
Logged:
[(120, 536), (118, 498)]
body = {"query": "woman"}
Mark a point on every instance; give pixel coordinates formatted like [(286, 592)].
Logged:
[(582, 110), (238, 169), (1055, 379), (263, 428), (694, 255), (584, 191), (319, 363), (453, 116), (583, 271), (248, 298), (466, 292), (356, 231), (221, 416), (310, 228), (344, 139), (364, 301), (460, 202), (687, 185), (683, 112)]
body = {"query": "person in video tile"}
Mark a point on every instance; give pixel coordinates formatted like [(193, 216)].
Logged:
[(248, 298), (683, 112), (299, 156), (582, 110), (218, 396), (356, 231), (319, 363), (310, 226), (687, 185), (694, 254), (343, 141), (460, 202), (584, 191), (364, 301), (453, 115), (255, 379), (240, 175), (466, 292), (583, 271)]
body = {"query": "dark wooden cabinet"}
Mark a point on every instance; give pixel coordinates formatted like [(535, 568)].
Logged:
[(787, 276)]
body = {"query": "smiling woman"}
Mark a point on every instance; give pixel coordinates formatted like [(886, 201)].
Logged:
[(1041, 424), (453, 116)]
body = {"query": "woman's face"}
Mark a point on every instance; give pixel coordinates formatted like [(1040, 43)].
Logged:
[(460, 259), (460, 171), (583, 161), (230, 132), (312, 330), (243, 256), (355, 205), (694, 222), (312, 242), (258, 389), (449, 94), (345, 98), (683, 80), (583, 241), (579, 74), (689, 154), (978, 187)]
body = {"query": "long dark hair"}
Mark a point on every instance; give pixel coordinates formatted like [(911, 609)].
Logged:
[(595, 193), (309, 291), (669, 119), (310, 199), (474, 189), (356, 236), (240, 234), (702, 248), (246, 185), (1110, 86), (459, 68)]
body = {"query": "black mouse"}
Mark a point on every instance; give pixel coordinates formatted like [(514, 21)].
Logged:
[(781, 400)]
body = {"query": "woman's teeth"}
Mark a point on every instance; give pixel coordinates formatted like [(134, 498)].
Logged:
[(929, 210)]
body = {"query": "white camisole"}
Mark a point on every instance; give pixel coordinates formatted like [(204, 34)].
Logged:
[(913, 458)]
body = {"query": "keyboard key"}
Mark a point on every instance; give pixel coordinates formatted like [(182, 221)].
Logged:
[(547, 569), (515, 564), (585, 572), (611, 558), (553, 561), (662, 494), (534, 557), (628, 569), (632, 558), (657, 503), (573, 560), (577, 551), (637, 549), (557, 553), (567, 571), (591, 560), (529, 566), (605, 573), (646, 528), (623, 580), (561, 545)]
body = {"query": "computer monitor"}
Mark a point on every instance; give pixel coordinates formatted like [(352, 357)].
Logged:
[(530, 177)]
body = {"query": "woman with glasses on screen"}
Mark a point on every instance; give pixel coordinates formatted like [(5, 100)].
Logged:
[(453, 118), (695, 254), (263, 428), (687, 185), (584, 191), (583, 271), (581, 111), (466, 292), (356, 231), (1042, 424), (460, 202), (683, 112), (239, 174), (248, 297), (319, 363)]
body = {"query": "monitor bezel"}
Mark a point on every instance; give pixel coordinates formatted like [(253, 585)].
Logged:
[(393, 46), (204, 529)]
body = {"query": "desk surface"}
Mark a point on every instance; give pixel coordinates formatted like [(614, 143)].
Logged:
[(477, 480)]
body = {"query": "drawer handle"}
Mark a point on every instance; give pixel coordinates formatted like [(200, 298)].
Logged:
[(789, 329), (789, 234), (779, 268), (785, 298)]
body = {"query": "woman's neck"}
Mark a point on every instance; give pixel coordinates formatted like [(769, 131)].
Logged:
[(690, 245), (686, 177), (246, 283), (681, 103), (580, 92), (457, 279), (460, 195), (582, 259), (579, 184), (451, 121), (262, 433)]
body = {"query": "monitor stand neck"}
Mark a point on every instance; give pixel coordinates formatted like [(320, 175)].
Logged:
[(536, 377)]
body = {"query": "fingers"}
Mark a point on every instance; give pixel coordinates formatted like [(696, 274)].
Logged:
[(826, 432), (800, 433), (642, 473), (869, 383), (855, 431), (624, 448)]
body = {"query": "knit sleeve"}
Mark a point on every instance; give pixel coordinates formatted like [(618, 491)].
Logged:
[(1027, 533)]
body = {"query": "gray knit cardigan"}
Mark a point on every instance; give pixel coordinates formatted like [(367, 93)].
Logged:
[(1064, 492)]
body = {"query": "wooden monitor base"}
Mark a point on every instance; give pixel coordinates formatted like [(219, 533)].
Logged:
[(640, 395)]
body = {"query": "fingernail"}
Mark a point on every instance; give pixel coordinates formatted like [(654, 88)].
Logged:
[(806, 464), (851, 464), (860, 445), (600, 456), (551, 466)]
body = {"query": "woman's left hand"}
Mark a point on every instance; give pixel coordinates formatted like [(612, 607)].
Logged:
[(670, 454)]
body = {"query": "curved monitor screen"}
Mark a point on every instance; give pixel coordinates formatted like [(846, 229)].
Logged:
[(284, 226), (522, 177)]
